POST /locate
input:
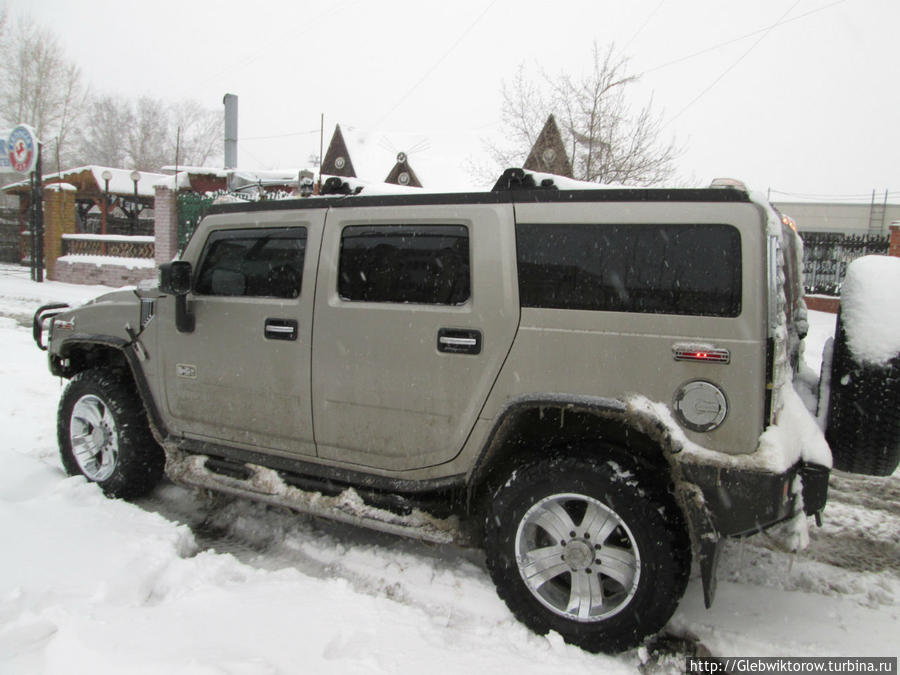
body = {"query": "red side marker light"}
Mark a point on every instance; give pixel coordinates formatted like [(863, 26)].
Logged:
[(702, 355)]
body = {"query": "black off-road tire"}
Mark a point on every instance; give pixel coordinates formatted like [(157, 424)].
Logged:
[(104, 434), (650, 529), (863, 428)]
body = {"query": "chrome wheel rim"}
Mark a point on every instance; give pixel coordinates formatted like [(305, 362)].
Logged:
[(94, 438), (577, 557)]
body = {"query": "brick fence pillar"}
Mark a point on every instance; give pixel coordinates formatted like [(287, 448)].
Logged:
[(895, 240), (165, 224), (59, 219)]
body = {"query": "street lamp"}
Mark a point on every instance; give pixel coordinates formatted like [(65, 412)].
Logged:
[(135, 177), (106, 176)]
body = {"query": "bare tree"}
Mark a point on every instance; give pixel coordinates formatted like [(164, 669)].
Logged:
[(147, 137), (608, 140), (143, 134), (38, 85), (202, 132), (107, 124)]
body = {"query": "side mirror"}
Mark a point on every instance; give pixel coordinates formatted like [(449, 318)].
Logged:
[(175, 279)]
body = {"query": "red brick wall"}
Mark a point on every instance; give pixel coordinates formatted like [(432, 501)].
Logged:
[(820, 303), (107, 275), (895, 241)]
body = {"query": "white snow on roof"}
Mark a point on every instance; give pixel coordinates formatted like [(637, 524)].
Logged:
[(119, 183), (202, 170), (180, 181), (870, 308), (235, 177)]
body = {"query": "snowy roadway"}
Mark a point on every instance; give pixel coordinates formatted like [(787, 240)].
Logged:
[(181, 584)]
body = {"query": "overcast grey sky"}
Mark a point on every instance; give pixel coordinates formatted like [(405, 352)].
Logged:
[(810, 106)]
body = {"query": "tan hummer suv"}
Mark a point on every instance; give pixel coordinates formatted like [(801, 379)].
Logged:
[(592, 384)]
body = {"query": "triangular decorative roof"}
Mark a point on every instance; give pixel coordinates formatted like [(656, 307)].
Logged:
[(337, 158), (402, 173), (549, 154)]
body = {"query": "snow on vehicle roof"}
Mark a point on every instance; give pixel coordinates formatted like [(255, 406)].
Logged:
[(870, 308), (565, 183)]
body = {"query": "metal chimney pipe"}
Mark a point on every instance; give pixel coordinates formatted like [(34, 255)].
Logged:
[(231, 130)]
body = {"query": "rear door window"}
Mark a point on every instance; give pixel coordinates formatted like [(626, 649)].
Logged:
[(420, 264)]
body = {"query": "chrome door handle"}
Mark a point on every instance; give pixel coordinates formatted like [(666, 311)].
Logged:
[(281, 329), (459, 341)]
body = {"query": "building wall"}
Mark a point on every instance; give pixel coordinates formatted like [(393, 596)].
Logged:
[(838, 218)]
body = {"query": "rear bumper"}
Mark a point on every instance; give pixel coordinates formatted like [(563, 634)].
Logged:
[(743, 502), (738, 503)]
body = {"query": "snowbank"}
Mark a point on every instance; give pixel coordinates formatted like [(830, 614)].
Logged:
[(20, 297), (870, 308)]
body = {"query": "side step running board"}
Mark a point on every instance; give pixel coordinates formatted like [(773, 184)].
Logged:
[(265, 485)]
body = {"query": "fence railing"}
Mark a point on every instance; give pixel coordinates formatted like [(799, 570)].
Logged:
[(116, 246), (827, 254)]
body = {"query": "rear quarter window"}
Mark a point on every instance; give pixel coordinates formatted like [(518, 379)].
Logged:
[(691, 269)]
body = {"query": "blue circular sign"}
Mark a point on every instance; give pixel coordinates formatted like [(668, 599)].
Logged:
[(22, 146)]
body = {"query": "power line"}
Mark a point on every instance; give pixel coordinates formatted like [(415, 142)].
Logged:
[(719, 45), (437, 63), (252, 156), (861, 198), (732, 66), (287, 135), (643, 25), (308, 25)]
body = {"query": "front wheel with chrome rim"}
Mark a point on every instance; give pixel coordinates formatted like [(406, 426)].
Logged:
[(104, 435), (593, 549)]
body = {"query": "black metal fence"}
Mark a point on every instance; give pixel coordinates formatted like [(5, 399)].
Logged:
[(827, 254)]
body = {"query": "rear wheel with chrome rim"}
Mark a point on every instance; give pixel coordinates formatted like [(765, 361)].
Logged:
[(104, 435), (593, 549)]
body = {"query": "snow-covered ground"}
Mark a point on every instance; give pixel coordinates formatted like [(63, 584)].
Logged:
[(182, 583)]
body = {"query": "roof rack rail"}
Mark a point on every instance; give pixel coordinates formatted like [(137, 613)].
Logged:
[(519, 179)]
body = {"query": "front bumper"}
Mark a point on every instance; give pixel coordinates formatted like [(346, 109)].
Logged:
[(41, 316)]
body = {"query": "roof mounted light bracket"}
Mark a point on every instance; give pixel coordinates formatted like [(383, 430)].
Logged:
[(519, 179)]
